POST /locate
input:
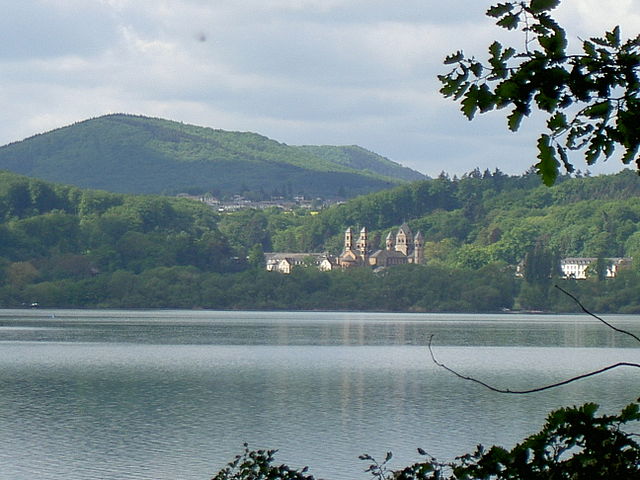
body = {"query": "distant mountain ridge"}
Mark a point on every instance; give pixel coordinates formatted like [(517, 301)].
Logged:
[(135, 154), (353, 156)]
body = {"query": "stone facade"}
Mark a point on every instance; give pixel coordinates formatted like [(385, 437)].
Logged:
[(400, 249)]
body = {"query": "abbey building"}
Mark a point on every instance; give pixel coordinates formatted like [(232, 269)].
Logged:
[(401, 248)]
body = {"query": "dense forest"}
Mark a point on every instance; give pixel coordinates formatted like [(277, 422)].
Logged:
[(141, 155), (61, 246), (487, 217)]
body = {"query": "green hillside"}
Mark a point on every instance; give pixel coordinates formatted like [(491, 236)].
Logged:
[(63, 246), (134, 154), (358, 158), (483, 218)]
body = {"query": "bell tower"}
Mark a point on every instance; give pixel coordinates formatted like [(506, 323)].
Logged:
[(404, 240), (363, 244), (418, 245), (389, 244), (348, 239)]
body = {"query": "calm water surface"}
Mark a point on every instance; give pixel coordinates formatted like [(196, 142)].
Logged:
[(173, 394)]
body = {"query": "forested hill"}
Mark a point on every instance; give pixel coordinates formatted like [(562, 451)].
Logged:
[(135, 154), (62, 231), (62, 246), (488, 217)]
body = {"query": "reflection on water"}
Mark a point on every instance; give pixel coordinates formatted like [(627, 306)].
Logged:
[(173, 395), (294, 328)]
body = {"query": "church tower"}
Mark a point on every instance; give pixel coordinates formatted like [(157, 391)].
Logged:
[(363, 244), (350, 256), (348, 240), (418, 245), (404, 240), (389, 241)]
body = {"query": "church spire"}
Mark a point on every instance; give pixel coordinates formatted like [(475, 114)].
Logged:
[(404, 240), (363, 243), (389, 243), (348, 239), (418, 248)]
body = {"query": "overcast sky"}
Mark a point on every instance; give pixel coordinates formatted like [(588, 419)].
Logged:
[(321, 72)]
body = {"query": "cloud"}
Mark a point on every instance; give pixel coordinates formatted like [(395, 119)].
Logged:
[(42, 29), (592, 17), (300, 71)]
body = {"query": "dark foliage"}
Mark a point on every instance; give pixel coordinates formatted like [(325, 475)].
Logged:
[(574, 444), (590, 98), (62, 246), (258, 465)]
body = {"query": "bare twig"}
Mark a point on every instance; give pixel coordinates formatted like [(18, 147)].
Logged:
[(531, 390), (619, 330), (553, 385)]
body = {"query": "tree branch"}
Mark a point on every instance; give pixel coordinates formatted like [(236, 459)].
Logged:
[(619, 330), (531, 390), (553, 385)]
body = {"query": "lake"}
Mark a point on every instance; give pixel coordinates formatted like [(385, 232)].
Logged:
[(174, 394)]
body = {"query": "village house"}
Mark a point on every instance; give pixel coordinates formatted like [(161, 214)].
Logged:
[(285, 262), (578, 267)]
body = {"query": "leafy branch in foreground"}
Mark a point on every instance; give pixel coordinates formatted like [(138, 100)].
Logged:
[(258, 465), (574, 444), (590, 98)]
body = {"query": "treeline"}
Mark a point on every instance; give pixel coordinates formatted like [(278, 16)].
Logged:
[(50, 232), (408, 288)]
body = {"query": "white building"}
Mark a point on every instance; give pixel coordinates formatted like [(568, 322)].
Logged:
[(284, 262), (577, 267)]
